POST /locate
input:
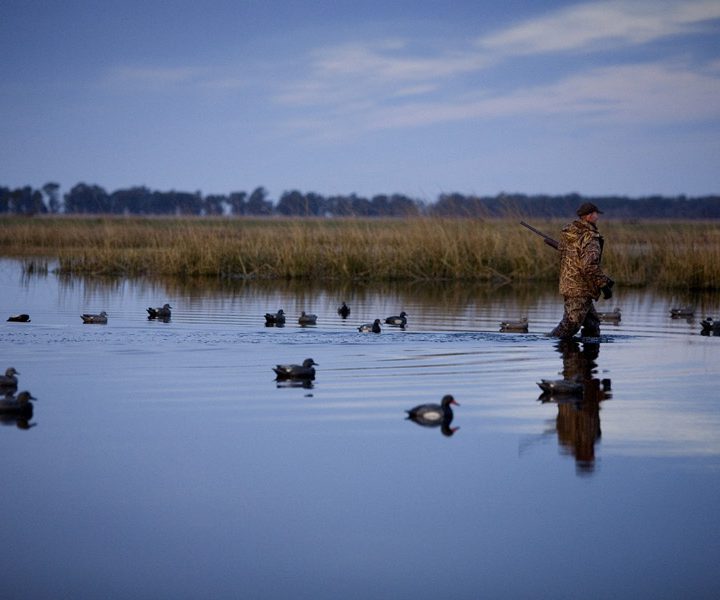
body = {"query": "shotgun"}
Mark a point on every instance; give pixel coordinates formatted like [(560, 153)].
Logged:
[(546, 238)]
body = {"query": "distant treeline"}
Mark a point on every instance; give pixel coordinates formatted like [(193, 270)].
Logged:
[(93, 199)]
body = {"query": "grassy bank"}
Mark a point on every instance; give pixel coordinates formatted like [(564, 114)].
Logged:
[(674, 254)]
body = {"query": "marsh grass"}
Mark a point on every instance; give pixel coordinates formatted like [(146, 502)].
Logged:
[(670, 254)]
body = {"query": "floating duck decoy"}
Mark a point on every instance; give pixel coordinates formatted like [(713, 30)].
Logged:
[(277, 318), (22, 318), (9, 381), (19, 405), (400, 320), (303, 371), (710, 326), (373, 327), (561, 387), (163, 313), (344, 310), (307, 319), (100, 319), (684, 311), (519, 326), (613, 316), (434, 415)]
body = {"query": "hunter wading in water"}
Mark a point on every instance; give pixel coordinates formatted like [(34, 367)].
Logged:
[(581, 277)]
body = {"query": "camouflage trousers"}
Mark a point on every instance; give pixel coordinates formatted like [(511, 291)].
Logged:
[(579, 312)]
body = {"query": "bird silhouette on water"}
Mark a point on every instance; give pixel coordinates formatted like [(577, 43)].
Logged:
[(304, 371), (398, 320), (22, 318), (435, 415), (162, 313), (100, 319), (373, 327), (9, 381)]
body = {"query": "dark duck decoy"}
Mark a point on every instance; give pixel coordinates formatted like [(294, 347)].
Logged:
[(611, 317), (344, 311), (682, 312), (399, 321), (9, 382), (303, 371), (434, 415), (710, 326), (100, 319), (163, 313), (277, 318), (373, 327), (519, 326), (561, 387), (19, 405), (307, 319), (22, 318)]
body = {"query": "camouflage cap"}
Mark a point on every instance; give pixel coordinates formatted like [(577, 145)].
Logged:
[(586, 208)]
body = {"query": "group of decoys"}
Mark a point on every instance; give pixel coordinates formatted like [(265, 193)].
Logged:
[(279, 318), (14, 408)]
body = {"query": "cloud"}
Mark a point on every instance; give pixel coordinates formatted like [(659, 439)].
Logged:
[(635, 94), (587, 26), (393, 84)]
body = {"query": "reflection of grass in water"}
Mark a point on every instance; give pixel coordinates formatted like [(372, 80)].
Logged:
[(684, 254)]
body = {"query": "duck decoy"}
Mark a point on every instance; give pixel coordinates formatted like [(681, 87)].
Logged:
[(9, 381), (163, 312), (561, 387), (19, 405), (307, 319), (100, 319), (344, 310), (613, 316), (277, 318), (400, 320), (22, 318), (710, 326), (303, 371), (434, 415), (373, 327), (683, 311), (519, 326)]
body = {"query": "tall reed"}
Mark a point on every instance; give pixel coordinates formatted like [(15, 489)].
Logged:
[(672, 254)]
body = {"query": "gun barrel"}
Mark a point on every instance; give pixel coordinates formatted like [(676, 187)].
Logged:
[(546, 238)]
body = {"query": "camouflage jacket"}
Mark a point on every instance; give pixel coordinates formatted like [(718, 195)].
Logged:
[(581, 249)]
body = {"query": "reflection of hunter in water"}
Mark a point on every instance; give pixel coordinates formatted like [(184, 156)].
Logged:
[(578, 396)]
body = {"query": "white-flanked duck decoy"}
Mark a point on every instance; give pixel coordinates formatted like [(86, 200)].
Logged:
[(22, 318), (435, 415), (613, 316), (303, 371), (100, 319), (561, 387), (344, 310), (710, 326), (307, 319), (277, 318), (682, 312), (519, 326), (373, 327), (19, 405), (164, 312), (400, 320), (9, 381)]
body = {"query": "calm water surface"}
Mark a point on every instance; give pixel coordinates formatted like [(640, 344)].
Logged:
[(164, 461)]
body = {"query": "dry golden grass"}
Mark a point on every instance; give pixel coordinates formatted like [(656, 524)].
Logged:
[(673, 254)]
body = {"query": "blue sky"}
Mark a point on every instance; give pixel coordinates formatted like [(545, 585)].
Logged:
[(419, 98)]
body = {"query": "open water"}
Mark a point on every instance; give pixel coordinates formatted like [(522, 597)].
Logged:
[(163, 460)]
